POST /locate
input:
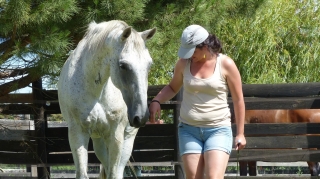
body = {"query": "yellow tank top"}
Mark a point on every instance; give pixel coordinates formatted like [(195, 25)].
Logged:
[(204, 102)]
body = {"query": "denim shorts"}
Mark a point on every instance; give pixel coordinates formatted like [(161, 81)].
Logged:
[(201, 139)]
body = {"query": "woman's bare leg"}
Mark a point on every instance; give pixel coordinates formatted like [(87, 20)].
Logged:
[(215, 162), (193, 165)]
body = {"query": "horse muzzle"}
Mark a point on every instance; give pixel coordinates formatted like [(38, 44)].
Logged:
[(139, 121)]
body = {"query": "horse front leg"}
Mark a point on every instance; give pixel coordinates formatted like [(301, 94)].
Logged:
[(313, 168), (252, 168), (101, 151), (129, 136), (114, 155), (78, 141), (243, 168)]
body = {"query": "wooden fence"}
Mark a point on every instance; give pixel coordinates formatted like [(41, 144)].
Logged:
[(45, 146)]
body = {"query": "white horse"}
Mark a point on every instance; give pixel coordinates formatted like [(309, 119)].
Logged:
[(102, 93)]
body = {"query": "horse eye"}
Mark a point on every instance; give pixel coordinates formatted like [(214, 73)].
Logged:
[(123, 66)]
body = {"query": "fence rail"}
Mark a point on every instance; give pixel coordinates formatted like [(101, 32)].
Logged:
[(157, 143)]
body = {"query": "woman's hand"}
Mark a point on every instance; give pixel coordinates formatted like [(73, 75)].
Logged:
[(160, 121), (155, 112), (240, 142)]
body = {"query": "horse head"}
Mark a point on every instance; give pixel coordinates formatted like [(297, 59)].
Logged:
[(129, 72)]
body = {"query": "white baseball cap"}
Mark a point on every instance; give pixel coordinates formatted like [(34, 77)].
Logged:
[(192, 36)]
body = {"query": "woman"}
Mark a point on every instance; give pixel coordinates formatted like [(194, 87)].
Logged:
[(205, 135)]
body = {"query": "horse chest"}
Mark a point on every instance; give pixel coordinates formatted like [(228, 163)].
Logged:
[(101, 120)]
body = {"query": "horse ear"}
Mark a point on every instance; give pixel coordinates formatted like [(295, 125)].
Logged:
[(148, 34), (126, 33)]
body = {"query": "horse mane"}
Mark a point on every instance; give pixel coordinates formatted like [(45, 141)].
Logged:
[(97, 33)]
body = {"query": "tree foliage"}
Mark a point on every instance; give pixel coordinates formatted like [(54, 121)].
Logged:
[(271, 41), (36, 36), (278, 43), (34, 40)]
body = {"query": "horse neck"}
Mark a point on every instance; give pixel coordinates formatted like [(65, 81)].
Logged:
[(96, 72)]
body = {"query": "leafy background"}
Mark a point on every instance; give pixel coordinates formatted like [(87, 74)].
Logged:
[(271, 41)]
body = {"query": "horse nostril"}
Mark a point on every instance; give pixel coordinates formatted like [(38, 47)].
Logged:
[(136, 121)]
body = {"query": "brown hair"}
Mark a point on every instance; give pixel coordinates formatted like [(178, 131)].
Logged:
[(213, 43)]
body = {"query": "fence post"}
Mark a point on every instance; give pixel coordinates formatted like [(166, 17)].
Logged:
[(40, 123), (178, 170)]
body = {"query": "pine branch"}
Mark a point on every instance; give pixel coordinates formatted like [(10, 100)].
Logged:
[(13, 73), (18, 84), (5, 45)]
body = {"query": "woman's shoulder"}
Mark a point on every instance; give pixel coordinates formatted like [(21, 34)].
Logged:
[(181, 63), (226, 61)]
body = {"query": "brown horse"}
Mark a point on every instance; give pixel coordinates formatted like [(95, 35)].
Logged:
[(283, 116), (280, 116)]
